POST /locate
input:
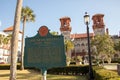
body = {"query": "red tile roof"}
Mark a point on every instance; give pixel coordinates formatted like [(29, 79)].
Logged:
[(8, 29), (83, 35), (98, 15), (65, 17)]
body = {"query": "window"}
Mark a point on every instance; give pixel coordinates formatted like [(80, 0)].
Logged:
[(83, 44), (83, 50), (78, 45), (65, 24)]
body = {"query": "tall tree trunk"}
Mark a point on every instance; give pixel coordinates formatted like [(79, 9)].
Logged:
[(14, 45), (22, 46)]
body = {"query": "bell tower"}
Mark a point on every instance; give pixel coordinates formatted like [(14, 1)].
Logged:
[(98, 24), (65, 27)]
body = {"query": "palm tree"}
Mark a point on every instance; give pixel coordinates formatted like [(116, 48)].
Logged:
[(1, 39), (27, 15), (7, 39), (14, 43), (4, 40)]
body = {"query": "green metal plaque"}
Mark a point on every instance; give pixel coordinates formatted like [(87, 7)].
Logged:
[(44, 50)]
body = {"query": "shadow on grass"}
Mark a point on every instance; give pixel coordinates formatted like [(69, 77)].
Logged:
[(21, 75), (65, 77), (29, 75), (4, 75)]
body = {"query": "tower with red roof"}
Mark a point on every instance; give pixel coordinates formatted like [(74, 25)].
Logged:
[(98, 24), (65, 27)]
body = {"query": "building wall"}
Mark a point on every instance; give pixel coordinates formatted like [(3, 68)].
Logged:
[(5, 52), (80, 47), (98, 24)]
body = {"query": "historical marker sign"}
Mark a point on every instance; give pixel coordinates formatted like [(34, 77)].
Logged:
[(44, 50)]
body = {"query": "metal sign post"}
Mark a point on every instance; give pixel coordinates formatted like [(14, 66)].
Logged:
[(44, 74), (44, 51)]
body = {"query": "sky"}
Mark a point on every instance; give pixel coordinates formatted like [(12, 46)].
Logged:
[(48, 13)]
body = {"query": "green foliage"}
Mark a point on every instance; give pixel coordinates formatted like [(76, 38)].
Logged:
[(103, 43), (68, 59), (1, 39), (27, 14), (117, 46), (79, 58), (104, 47), (70, 70), (103, 74), (54, 33), (68, 45), (5, 39)]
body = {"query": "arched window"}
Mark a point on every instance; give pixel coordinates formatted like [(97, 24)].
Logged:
[(78, 45), (83, 50), (83, 44)]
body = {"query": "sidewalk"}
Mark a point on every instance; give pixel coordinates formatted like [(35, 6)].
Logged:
[(110, 66)]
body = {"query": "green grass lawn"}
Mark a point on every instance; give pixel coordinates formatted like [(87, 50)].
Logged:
[(35, 75), (64, 77)]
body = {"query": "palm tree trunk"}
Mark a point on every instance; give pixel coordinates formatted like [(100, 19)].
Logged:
[(14, 45), (22, 46)]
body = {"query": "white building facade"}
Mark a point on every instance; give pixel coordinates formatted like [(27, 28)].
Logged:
[(5, 50)]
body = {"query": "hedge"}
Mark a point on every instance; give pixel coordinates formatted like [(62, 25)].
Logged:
[(70, 70), (7, 66)]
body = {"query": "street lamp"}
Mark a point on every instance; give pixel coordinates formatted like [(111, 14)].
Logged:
[(87, 22)]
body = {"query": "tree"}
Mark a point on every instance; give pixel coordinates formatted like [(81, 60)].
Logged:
[(117, 46), (1, 39), (54, 33), (68, 46), (27, 15), (14, 42), (7, 39), (104, 47)]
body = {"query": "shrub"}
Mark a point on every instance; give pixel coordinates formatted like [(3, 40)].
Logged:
[(79, 58), (70, 70), (7, 66)]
